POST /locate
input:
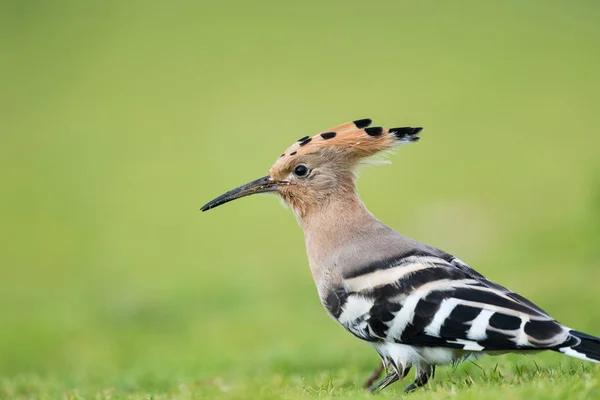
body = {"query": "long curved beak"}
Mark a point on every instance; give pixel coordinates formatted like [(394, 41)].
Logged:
[(262, 185)]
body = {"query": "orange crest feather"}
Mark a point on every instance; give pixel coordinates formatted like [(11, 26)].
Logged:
[(357, 138)]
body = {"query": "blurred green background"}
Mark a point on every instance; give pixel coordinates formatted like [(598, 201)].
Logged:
[(119, 119)]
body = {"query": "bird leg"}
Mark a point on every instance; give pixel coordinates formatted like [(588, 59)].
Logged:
[(390, 378), (374, 376), (421, 378)]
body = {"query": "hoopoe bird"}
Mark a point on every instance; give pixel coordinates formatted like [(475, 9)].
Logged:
[(415, 304)]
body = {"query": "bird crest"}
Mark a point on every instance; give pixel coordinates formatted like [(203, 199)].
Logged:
[(355, 140)]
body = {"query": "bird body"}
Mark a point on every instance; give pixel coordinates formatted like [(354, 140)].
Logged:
[(415, 304)]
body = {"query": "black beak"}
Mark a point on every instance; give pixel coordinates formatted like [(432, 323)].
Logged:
[(262, 185)]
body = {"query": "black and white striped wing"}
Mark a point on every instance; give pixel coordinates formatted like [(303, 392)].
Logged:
[(422, 299)]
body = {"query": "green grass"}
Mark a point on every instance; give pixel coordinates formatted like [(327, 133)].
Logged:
[(118, 120), (501, 379)]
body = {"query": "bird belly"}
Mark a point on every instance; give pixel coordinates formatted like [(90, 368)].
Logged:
[(399, 355), (403, 355), (441, 355)]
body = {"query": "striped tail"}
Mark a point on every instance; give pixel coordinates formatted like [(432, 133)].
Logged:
[(582, 346)]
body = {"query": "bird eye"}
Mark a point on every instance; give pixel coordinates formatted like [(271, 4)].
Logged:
[(301, 170)]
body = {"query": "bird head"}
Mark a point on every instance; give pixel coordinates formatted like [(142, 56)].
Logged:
[(315, 169)]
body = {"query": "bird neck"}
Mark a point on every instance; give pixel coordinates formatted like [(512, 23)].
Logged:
[(336, 216), (337, 233)]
